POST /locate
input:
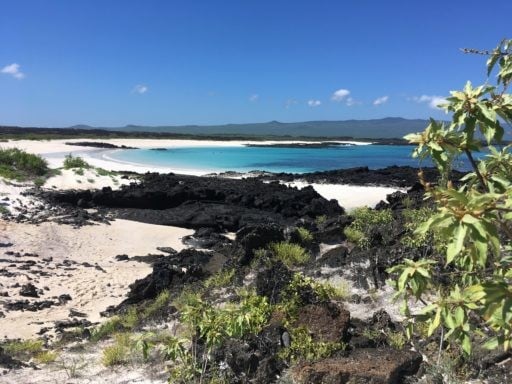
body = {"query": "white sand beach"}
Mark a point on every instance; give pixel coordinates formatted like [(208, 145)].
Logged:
[(54, 151), (82, 262), (93, 286)]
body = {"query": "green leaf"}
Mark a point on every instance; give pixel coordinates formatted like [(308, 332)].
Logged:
[(466, 344), (492, 343), (455, 247), (435, 322)]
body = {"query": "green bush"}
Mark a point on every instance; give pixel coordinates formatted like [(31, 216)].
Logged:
[(117, 354), (473, 298), (305, 236), (75, 162), (20, 165), (290, 254), (366, 220)]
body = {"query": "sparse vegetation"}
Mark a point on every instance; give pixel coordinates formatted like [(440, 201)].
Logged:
[(46, 357), (23, 349), (71, 162), (365, 221), (117, 353), (304, 235), (305, 348), (220, 279), (20, 165), (290, 254), (156, 305)]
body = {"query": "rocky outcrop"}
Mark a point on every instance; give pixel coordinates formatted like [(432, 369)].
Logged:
[(200, 202), (362, 366)]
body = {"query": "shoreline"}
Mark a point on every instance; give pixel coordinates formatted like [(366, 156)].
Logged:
[(349, 196), (54, 151)]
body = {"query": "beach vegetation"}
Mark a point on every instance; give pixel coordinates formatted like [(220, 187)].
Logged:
[(107, 328), (366, 221), (289, 254), (73, 367), (20, 165), (46, 357), (396, 339), (71, 162), (466, 289), (319, 220), (117, 353), (304, 348), (304, 235), (220, 279), (212, 326), (23, 349), (157, 305)]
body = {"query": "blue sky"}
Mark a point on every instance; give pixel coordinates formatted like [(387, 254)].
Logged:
[(112, 63)]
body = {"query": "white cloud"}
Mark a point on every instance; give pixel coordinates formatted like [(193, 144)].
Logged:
[(288, 103), (340, 94), (314, 103), (13, 70), (381, 100), (140, 89), (432, 101), (351, 102), (254, 97)]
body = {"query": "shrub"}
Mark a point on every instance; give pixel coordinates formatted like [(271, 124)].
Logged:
[(474, 295), (117, 353), (290, 254), (156, 305), (20, 165), (104, 330), (304, 235), (365, 221), (75, 162), (46, 357), (220, 279)]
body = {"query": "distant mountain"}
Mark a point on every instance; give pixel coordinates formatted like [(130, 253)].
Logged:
[(390, 127)]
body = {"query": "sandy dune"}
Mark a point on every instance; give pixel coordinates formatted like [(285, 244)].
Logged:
[(92, 288)]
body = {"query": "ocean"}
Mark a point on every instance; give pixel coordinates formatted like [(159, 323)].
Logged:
[(272, 159)]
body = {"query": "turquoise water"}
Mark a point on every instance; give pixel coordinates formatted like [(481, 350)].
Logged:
[(272, 159)]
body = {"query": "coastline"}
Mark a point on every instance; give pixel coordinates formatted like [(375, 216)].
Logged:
[(54, 151)]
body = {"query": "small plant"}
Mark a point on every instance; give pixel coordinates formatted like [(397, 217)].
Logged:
[(319, 220), (365, 221), (117, 353), (39, 181), (303, 347), (104, 172), (114, 324), (290, 254), (130, 319), (91, 181), (46, 357), (156, 305), (292, 295), (220, 279), (304, 235), (73, 367), (78, 171), (339, 290), (23, 349), (71, 162), (396, 340)]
